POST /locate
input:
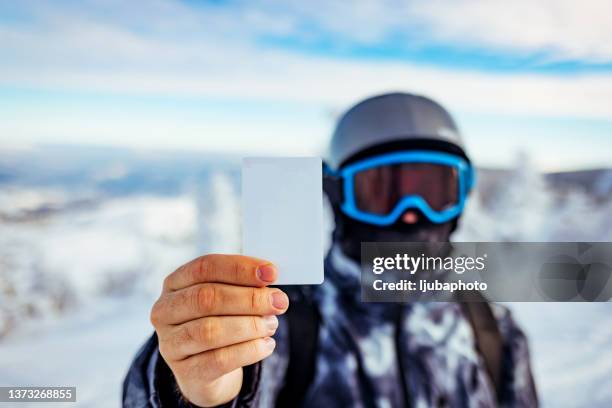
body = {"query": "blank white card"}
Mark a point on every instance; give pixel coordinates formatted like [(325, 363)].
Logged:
[(282, 216)]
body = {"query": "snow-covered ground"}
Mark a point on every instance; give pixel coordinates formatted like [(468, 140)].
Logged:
[(571, 351), (90, 349), (82, 261)]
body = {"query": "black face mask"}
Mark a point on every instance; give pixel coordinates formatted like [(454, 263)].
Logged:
[(350, 233)]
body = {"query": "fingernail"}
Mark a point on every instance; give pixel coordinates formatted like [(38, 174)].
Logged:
[(266, 272), (269, 343), (271, 323), (279, 300)]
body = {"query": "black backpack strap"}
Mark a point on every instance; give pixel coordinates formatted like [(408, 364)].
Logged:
[(488, 338), (303, 319)]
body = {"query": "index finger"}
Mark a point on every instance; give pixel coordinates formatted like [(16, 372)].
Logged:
[(233, 269)]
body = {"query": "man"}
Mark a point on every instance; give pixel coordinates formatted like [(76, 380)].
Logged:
[(216, 315)]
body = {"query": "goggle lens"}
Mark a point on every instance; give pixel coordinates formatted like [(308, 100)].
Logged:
[(379, 189)]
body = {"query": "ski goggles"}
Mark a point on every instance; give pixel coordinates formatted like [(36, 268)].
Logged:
[(379, 189)]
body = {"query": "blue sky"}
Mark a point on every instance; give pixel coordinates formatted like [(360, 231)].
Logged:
[(265, 77)]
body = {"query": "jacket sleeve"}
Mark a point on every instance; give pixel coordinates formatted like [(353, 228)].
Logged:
[(150, 382)]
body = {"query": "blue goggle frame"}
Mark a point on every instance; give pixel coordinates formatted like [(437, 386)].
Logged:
[(466, 179)]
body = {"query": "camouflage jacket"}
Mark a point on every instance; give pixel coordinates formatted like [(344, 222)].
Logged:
[(368, 355)]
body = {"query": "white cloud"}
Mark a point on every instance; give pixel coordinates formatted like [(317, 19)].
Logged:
[(556, 29), (211, 51), (559, 29), (249, 73)]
